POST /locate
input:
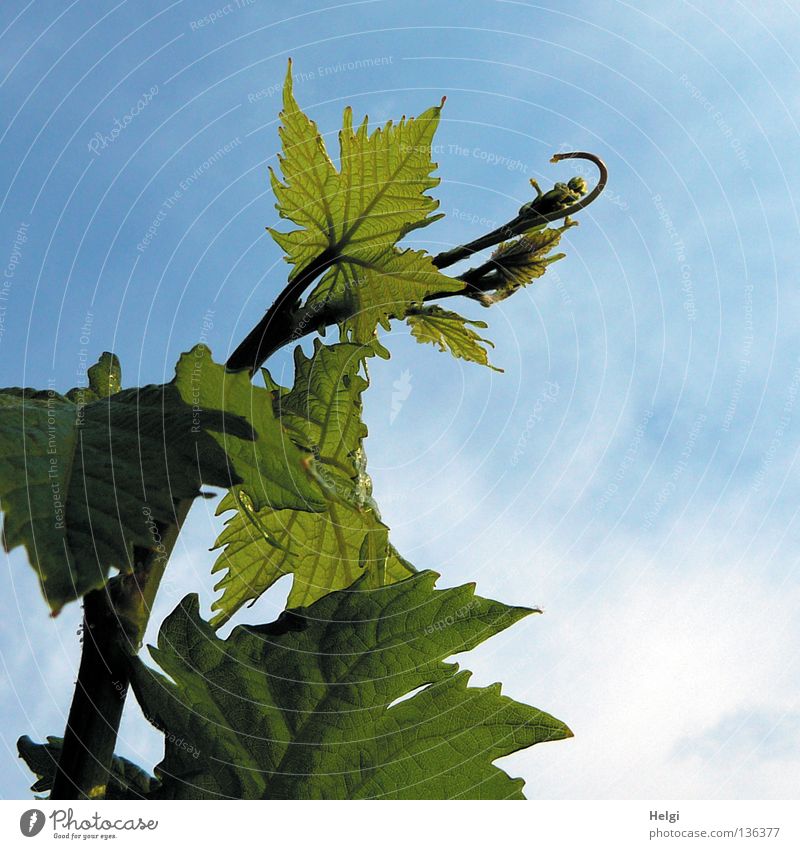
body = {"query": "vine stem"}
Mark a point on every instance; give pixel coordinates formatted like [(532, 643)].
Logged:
[(259, 343), (114, 621)]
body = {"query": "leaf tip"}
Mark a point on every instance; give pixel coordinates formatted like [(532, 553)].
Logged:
[(221, 617), (517, 612), (426, 575)]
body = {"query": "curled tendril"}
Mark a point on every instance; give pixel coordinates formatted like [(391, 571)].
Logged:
[(529, 217), (599, 186)]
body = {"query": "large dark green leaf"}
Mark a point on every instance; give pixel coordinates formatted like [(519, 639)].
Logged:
[(314, 705), (83, 477)]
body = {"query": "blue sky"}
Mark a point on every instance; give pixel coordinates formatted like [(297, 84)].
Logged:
[(633, 471)]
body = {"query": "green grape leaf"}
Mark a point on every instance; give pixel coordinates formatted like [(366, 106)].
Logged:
[(521, 261), (81, 484), (323, 551), (323, 408), (379, 287), (126, 779), (320, 704), (355, 216), (272, 471), (451, 332)]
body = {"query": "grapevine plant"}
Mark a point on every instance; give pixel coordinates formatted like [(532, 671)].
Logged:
[(347, 694)]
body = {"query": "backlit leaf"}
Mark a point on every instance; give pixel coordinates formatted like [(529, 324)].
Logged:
[(82, 483), (324, 550), (317, 706), (356, 215), (450, 332)]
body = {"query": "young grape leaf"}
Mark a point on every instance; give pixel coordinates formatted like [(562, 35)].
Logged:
[(82, 483), (323, 551), (317, 706), (451, 332), (126, 780), (521, 261), (323, 408), (355, 216)]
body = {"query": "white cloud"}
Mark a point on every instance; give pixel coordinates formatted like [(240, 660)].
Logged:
[(649, 661)]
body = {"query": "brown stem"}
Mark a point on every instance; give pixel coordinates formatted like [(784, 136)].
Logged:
[(114, 622), (97, 704), (277, 322)]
